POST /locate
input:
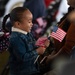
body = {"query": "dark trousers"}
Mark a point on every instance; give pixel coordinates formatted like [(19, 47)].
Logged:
[(37, 74)]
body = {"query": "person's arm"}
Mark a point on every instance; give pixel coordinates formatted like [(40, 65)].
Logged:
[(69, 43), (20, 51)]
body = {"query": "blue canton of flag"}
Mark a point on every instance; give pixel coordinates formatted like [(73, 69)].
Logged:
[(58, 33), (55, 28)]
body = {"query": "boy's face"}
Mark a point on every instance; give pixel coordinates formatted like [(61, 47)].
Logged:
[(26, 21)]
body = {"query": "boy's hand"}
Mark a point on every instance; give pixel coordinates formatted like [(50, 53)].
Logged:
[(40, 50), (47, 43)]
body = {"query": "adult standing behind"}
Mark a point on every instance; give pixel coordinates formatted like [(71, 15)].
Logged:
[(65, 47), (69, 69)]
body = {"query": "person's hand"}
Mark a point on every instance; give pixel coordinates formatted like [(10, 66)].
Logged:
[(43, 41), (47, 43), (41, 50)]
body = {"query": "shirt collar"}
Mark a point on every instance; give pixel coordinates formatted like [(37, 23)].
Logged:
[(18, 30)]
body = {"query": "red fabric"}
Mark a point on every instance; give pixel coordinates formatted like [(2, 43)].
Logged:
[(47, 2)]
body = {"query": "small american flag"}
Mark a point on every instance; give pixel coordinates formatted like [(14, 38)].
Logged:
[(58, 33)]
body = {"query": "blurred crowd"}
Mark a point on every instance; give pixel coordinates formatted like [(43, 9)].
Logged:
[(49, 10), (48, 14)]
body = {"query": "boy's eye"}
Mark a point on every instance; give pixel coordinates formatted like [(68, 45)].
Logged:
[(29, 21)]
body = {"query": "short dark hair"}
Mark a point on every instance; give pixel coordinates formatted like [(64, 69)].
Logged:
[(15, 15)]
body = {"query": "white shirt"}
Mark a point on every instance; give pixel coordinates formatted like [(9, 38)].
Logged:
[(18, 30), (62, 10)]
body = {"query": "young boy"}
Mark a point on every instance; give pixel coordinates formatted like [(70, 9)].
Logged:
[(22, 47)]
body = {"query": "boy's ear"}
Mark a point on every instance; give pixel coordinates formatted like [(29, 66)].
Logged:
[(17, 24)]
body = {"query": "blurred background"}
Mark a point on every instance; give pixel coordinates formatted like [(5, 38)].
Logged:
[(55, 10)]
